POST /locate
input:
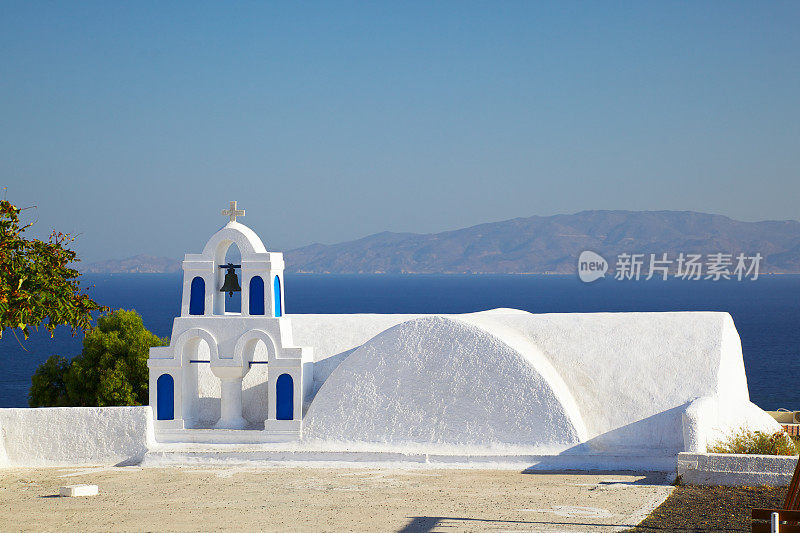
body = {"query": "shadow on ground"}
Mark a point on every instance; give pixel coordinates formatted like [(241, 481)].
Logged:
[(648, 478), (425, 524)]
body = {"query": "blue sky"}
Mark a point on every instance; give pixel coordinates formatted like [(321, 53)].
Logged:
[(134, 123)]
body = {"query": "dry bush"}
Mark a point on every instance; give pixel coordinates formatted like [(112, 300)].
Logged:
[(756, 442)]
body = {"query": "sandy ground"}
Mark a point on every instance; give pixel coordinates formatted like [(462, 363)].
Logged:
[(325, 499)]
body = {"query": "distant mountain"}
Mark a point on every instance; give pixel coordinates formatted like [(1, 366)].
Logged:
[(532, 245), (135, 264), (552, 244)]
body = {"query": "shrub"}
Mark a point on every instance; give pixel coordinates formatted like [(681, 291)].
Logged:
[(110, 370), (756, 442), (48, 386)]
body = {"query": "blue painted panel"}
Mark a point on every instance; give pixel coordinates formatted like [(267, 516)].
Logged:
[(277, 285), (197, 299), (165, 397), (256, 295), (284, 397)]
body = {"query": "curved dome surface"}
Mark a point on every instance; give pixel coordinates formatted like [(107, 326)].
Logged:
[(441, 380), (245, 238)]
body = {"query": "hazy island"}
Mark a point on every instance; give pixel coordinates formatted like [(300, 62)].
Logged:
[(532, 245)]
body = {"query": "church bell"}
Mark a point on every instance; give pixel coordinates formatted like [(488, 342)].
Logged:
[(231, 283)]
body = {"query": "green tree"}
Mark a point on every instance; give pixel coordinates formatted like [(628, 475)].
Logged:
[(111, 369), (48, 386), (36, 284)]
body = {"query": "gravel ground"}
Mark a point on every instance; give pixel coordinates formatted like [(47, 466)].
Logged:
[(706, 509)]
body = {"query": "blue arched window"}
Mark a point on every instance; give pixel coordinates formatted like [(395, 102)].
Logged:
[(256, 295), (277, 290), (197, 297), (165, 397), (284, 397)]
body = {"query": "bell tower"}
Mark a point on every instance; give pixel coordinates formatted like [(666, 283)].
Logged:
[(259, 277), (254, 342)]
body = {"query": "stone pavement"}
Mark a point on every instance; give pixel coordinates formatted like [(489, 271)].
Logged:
[(302, 498)]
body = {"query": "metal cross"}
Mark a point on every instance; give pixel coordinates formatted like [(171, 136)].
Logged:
[(233, 212)]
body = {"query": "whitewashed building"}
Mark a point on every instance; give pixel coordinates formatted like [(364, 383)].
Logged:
[(624, 385), (213, 375)]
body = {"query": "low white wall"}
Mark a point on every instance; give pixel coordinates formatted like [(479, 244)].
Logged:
[(74, 435), (735, 470), (710, 420), (3, 456)]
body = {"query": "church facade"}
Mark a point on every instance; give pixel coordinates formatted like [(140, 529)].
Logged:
[(217, 356)]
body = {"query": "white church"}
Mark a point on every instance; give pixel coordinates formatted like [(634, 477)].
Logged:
[(212, 350), (497, 382)]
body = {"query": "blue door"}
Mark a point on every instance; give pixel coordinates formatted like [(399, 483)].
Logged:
[(197, 298), (277, 287), (284, 397), (256, 295), (165, 397)]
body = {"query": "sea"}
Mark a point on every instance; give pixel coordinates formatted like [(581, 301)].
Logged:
[(766, 312)]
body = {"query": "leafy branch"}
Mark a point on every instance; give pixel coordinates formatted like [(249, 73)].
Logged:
[(37, 286)]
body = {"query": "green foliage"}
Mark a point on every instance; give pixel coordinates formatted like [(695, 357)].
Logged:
[(756, 442), (36, 285), (48, 388), (111, 369)]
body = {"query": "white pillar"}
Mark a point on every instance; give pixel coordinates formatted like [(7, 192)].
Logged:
[(231, 405)]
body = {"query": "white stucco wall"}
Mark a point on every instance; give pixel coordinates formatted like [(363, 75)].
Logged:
[(628, 385), (3, 455), (633, 374), (631, 377), (712, 419), (736, 470), (334, 337), (441, 381), (74, 435)]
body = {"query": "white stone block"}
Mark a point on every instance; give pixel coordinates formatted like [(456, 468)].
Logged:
[(78, 490)]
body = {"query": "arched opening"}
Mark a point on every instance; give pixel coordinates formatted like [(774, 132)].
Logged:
[(255, 385), (197, 297), (200, 387), (233, 303), (256, 295), (284, 397), (277, 291), (165, 397)]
